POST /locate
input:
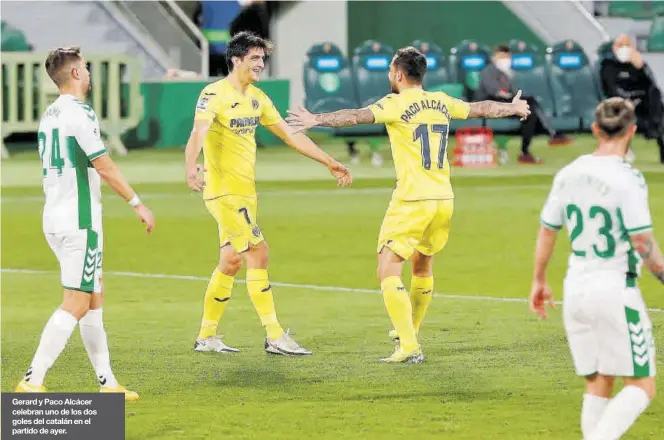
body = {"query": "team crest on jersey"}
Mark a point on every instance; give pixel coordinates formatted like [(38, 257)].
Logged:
[(202, 103), (256, 231), (254, 104)]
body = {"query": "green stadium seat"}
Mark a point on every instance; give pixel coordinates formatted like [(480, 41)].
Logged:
[(13, 40), (437, 73), (530, 75), (467, 60), (371, 64), (656, 39), (636, 9), (573, 82), (328, 82), (329, 86)]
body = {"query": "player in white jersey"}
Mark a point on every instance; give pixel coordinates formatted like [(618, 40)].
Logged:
[(74, 160), (603, 202)]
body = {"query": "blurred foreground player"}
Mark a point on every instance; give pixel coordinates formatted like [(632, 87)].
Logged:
[(227, 115), (603, 202), (73, 160), (417, 222)]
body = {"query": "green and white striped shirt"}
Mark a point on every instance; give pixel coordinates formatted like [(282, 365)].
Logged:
[(69, 139)]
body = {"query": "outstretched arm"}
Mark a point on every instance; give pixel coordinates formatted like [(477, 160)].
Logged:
[(342, 118), (302, 119), (646, 245), (306, 147), (494, 109)]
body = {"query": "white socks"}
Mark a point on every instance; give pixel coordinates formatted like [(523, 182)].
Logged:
[(94, 339), (54, 338), (593, 408), (620, 414)]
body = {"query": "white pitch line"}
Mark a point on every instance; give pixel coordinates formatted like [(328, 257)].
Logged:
[(308, 192), (293, 192), (290, 285)]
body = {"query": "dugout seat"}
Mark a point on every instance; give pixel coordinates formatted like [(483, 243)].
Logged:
[(437, 74), (467, 60), (371, 64), (531, 76), (573, 82), (328, 81), (329, 86)]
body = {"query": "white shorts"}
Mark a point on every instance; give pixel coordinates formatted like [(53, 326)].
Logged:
[(80, 256), (608, 328)]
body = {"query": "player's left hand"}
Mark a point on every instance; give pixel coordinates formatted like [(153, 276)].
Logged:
[(540, 298), (344, 178), (301, 119)]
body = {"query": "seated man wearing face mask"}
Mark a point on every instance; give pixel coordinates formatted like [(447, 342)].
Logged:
[(628, 76), (496, 85)]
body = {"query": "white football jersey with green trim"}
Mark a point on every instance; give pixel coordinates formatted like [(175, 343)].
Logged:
[(69, 139), (601, 200)]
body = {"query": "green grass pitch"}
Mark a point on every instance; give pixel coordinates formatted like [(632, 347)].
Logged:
[(492, 370)]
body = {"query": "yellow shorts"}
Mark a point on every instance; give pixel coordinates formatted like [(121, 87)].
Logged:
[(236, 217), (422, 225)]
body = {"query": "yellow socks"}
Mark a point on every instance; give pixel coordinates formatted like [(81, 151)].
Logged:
[(400, 311), (421, 292), (216, 299), (260, 293)]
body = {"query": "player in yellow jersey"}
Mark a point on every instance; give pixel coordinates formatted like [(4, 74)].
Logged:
[(227, 115), (417, 222)]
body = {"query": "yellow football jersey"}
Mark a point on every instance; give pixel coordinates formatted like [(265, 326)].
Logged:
[(230, 145), (417, 124)]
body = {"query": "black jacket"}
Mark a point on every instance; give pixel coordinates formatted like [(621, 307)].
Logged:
[(638, 85), (492, 81)]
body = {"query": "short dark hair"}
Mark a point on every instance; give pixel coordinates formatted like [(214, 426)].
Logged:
[(502, 48), (58, 59), (614, 116), (411, 62), (242, 43)]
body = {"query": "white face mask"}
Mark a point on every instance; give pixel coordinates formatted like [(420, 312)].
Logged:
[(624, 54), (504, 64)]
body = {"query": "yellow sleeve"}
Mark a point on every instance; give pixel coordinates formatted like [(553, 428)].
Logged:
[(270, 115), (458, 109), (386, 110), (207, 105)]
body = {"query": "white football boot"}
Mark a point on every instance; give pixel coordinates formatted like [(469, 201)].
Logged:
[(213, 344), (286, 346)]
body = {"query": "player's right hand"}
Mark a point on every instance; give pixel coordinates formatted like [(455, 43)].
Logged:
[(195, 179), (146, 217), (540, 298), (521, 107), (344, 178)]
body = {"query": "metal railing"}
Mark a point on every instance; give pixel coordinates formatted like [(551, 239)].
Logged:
[(26, 91)]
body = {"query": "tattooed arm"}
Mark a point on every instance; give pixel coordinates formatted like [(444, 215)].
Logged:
[(302, 119), (646, 245), (494, 109), (346, 117), (491, 109)]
